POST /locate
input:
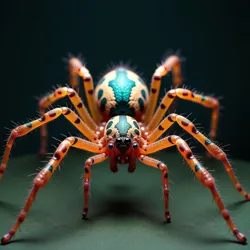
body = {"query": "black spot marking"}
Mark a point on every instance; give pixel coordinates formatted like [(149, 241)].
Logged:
[(91, 91), (182, 149), (192, 94), (170, 95), (185, 93), (75, 141), (42, 119), (153, 91), (195, 130), (170, 118), (57, 156), (160, 127), (190, 155), (157, 78), (72, 94), (166, 176), (163, 106), (59, 92), (92, 160), (170, 139), (77, 121), (68, 112), (185, 122), (79, 105), (52, 113), (64, 149), (86, 170)]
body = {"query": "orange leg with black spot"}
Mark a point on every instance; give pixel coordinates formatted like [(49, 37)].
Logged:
[(201, 173), (160, 165), (76, 68), (213, 149), (46, 173), (206, 101), (87, 172), (171, 63), (59, 93), (47, 117)]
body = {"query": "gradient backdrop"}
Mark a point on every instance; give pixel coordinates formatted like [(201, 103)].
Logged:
[(213, 37)]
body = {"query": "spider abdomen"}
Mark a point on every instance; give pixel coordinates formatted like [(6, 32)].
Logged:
[(121, 92)]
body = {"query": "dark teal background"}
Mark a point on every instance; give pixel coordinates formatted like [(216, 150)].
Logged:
[(213, 37)]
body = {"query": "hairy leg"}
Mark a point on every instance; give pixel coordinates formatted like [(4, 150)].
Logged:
[(76, 68), (212, 148), (160, 165), (58, 94), (45, 175), (47, 117), (206, 101), (87, 172), (201, 173), (171, 63)]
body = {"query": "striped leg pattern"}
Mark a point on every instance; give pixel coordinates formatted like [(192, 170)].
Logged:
[(86, 183), (171, 63), (160, 165), (76, 68), (206, 101), (47, 117), (201, 173), (46, 173), (211, 147), (58, 94)]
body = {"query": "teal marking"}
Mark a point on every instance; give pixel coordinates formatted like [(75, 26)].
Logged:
[(50, 168), (137, 131), (109, 131), (203, 98), (197, 168), (100, 93), (136, 124), (101, 81), (143, 93), (123, 125), (109, 124), (207, 142), (103, 104), (122, 87), (141, 103), (29, 125)]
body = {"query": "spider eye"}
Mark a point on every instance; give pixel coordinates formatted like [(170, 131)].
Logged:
[(110, 145), (127, 140), (135, 145), (119, 139)]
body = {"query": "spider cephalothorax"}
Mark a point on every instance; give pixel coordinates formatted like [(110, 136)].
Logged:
[(123, 126)]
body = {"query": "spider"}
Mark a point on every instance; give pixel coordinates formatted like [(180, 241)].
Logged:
[(123, 127)]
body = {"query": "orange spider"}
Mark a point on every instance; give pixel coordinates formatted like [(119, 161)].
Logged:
[(123, 127)]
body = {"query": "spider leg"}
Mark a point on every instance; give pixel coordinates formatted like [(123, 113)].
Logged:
[(171, 63), (76, 68), (211, 147), (201, 173), (60, 93), (206, 101), (160, 165), (87, 172), (47, 117), (46, 173)]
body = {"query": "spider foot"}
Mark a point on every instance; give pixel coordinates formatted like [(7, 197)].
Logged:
[(85, 213), (7, 237), (167, 217), (241, 237)]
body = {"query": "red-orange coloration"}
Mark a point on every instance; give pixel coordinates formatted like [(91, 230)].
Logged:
[(123, 139)]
